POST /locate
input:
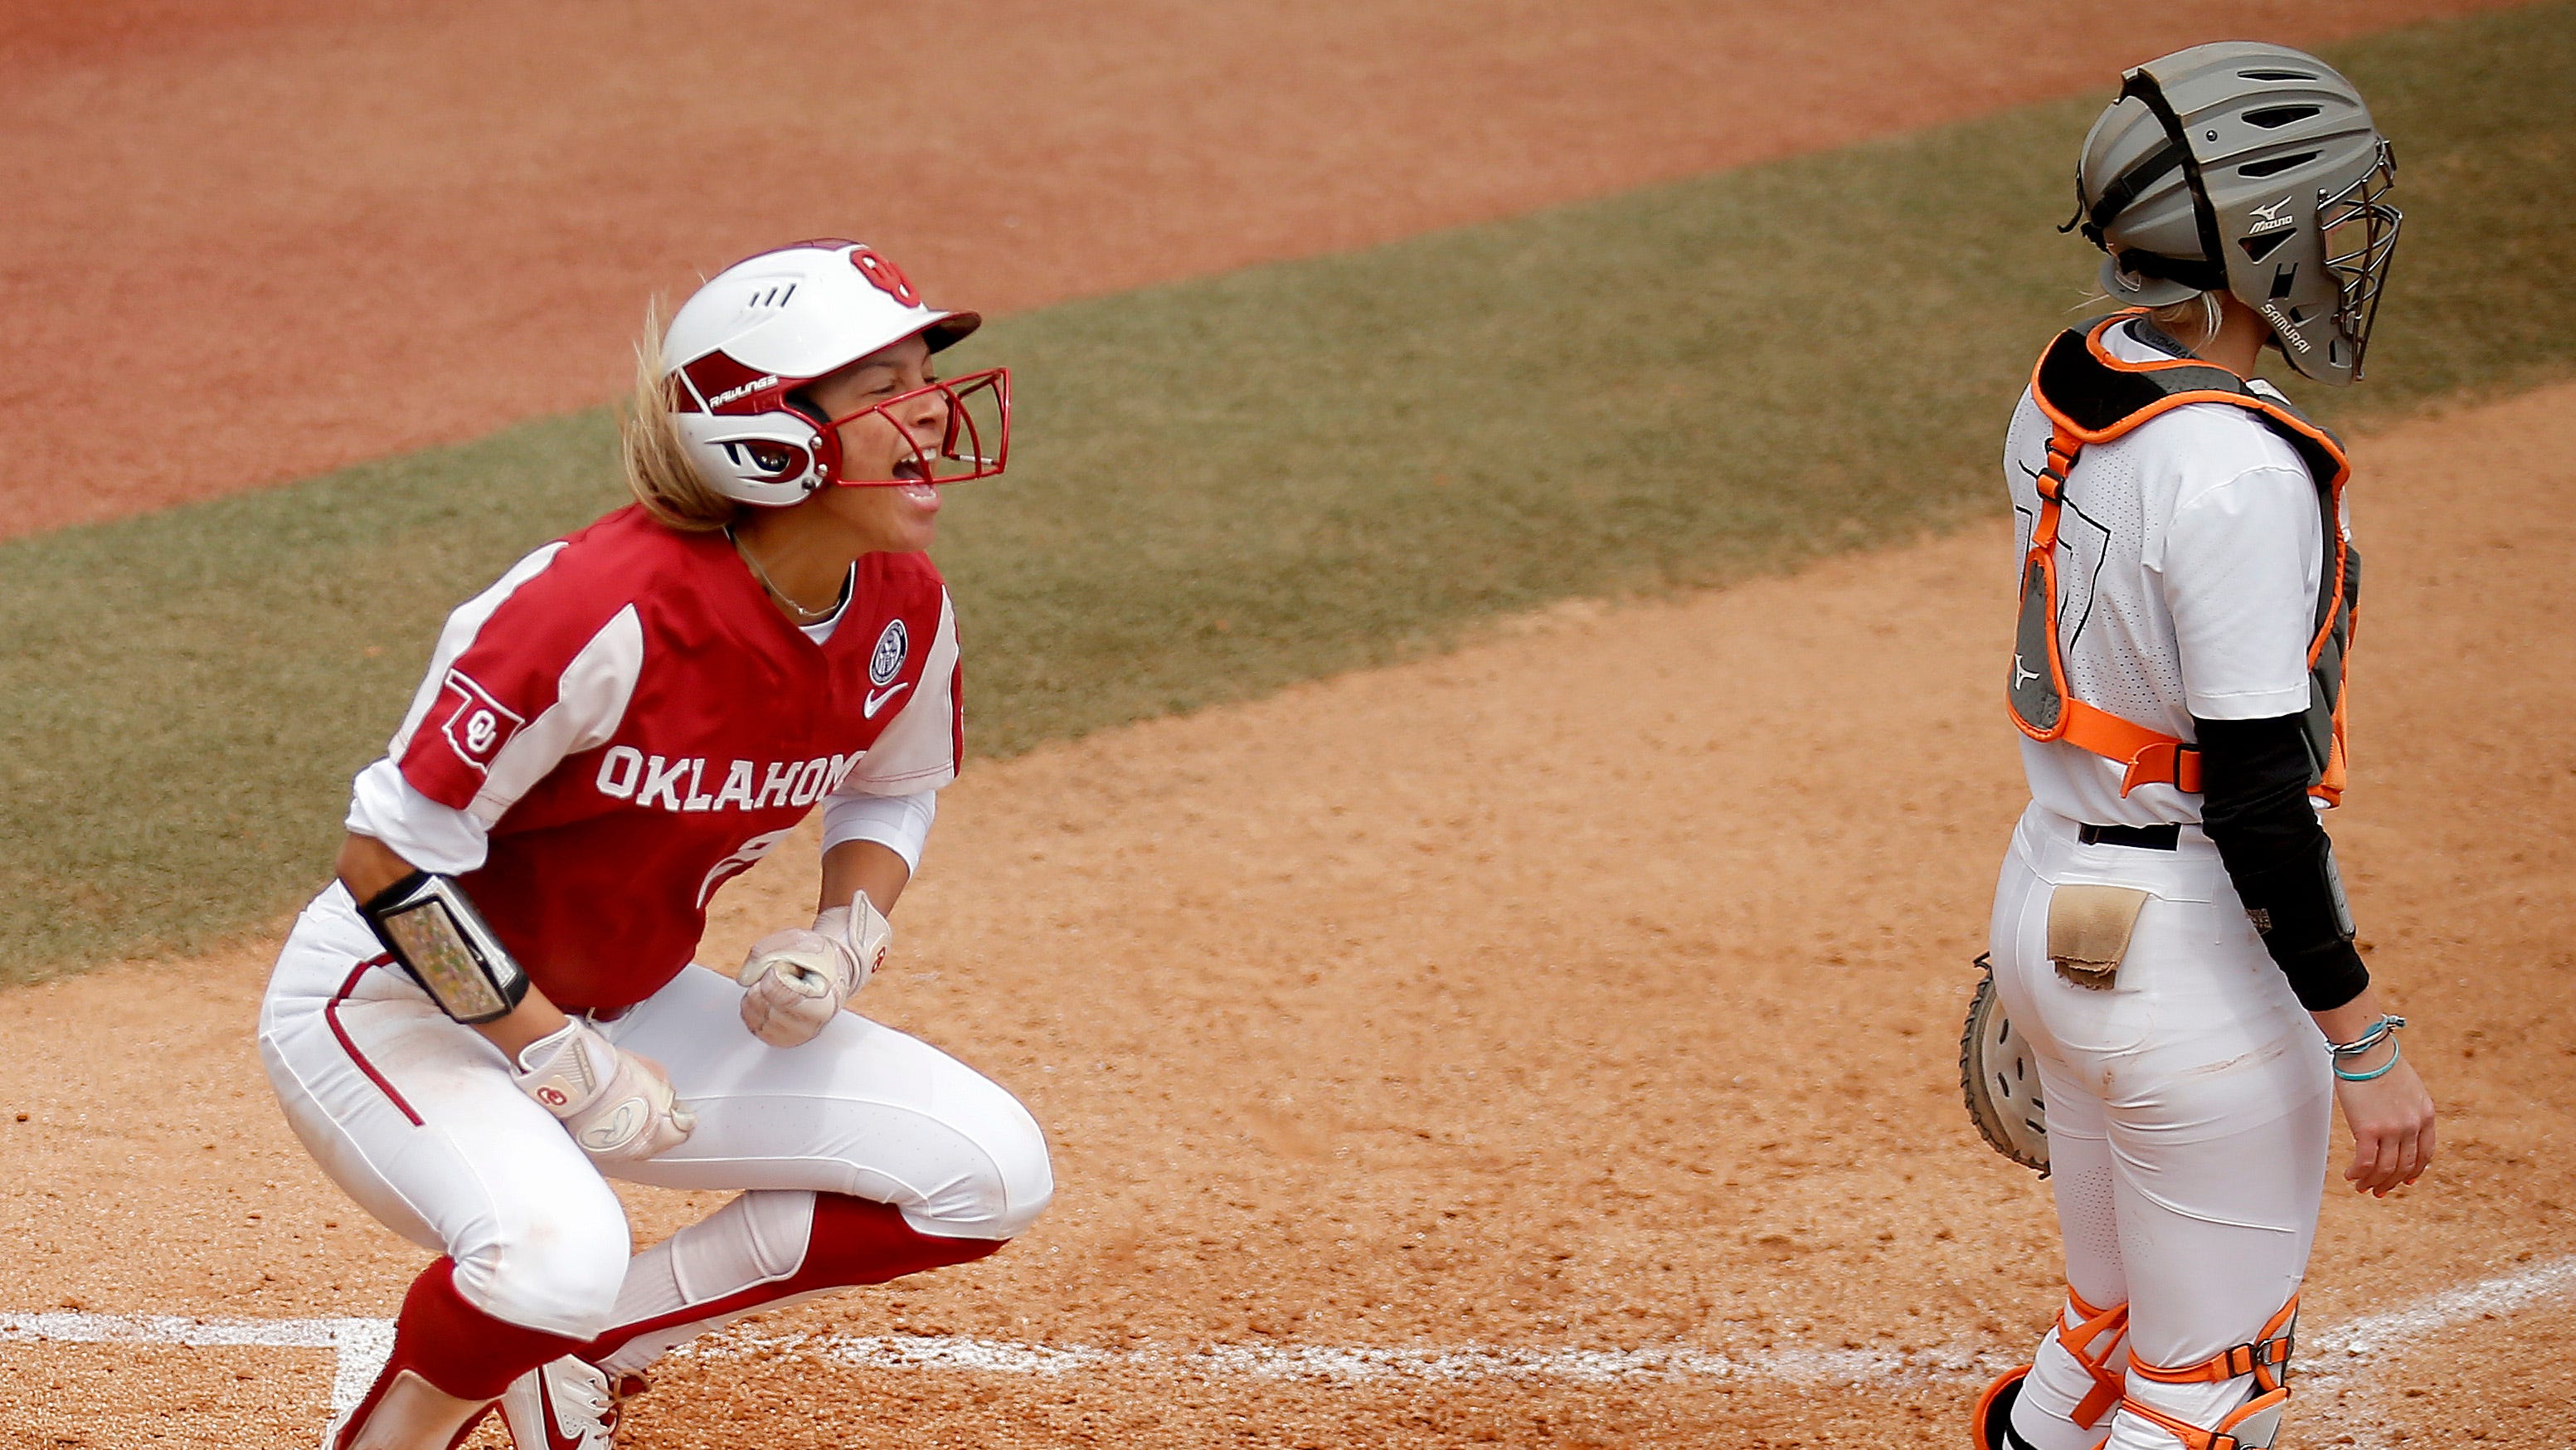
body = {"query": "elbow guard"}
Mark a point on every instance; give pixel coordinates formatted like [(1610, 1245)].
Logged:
[(2255, 776), (2297, 906), (433, 930)]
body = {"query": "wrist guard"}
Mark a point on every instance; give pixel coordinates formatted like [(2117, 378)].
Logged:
[(433, 930)]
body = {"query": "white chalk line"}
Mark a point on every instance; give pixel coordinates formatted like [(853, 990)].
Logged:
[(2328, 1355), (1340, 1364), (2378, 1333), (2348, 1359), (360, 1346)]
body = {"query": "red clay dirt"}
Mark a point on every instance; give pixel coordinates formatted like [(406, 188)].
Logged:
[(1621, 1017), (245, 241)]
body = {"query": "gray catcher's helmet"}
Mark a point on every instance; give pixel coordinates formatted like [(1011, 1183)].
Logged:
[(2250, 168)]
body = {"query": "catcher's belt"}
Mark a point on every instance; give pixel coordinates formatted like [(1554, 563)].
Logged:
[(2089, 396)]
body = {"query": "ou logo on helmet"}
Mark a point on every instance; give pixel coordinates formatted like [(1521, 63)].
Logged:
[(887, 277)]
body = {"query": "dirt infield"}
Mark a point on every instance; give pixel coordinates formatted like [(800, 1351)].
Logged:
[(1592, 989), (249, 240)]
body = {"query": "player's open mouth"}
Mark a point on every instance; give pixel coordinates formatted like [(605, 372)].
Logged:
[(915, 488)]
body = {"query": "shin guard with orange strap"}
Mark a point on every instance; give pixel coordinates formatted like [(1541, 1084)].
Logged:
[(2107, 1327), (2250, 1426), (2093, 1338)]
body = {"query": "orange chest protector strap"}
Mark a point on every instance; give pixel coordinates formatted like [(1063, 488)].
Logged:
[(2089, 396)]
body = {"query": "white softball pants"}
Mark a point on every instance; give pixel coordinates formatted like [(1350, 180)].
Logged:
[(2188, 1108), (417, 1117)]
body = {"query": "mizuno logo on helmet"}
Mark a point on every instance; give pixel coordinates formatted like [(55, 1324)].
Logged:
[(746, 390), (2269, 218)]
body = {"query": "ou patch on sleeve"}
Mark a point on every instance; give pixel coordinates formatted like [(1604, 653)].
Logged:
[(473, 723)]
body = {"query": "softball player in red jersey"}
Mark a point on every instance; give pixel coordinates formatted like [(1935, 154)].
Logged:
[(493, 1009), (2169, 933)]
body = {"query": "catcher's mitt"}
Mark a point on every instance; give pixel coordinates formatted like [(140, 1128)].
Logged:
[(2000, 1080)]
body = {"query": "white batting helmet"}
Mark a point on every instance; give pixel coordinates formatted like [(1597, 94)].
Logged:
[(739, 348)]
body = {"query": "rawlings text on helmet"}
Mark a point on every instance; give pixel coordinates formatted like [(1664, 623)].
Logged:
[(716, 403)]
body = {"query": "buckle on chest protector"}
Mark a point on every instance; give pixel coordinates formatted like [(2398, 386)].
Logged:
[(2166, 762)]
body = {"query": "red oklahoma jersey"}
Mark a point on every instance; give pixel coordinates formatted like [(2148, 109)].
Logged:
[(635, 724)]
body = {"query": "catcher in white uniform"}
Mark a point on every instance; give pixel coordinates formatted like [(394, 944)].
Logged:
[(493, 1009), (2175, 1001)]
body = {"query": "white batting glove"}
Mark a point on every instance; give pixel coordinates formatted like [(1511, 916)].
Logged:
[(617, 1105), (794, 980)]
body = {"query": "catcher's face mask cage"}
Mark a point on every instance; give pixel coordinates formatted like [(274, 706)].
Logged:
[(2360, 230)]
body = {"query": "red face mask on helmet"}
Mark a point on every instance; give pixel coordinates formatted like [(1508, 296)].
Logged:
[(739, 350)]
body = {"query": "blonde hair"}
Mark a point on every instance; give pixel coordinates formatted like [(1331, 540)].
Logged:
[(2199, 312), (2193, 321), (658, 471)]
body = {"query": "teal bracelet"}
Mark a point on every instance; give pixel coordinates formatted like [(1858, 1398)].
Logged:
[(2396, 1050), (2379, 1031)]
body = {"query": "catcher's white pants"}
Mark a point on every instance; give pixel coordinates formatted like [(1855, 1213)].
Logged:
[(2188, 1108), (418, 1119)]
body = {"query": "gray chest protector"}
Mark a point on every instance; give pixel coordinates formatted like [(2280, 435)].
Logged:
[(2089, 396)]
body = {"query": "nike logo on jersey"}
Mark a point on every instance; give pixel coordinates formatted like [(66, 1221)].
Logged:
[(877, 698)]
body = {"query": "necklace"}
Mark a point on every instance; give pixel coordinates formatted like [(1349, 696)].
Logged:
[(795, 611)]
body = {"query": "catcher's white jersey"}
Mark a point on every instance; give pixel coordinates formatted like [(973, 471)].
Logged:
[(2188, 558)]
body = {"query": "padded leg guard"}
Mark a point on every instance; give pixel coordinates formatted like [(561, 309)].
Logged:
[(2065, 1412), (2256, 1423), (2267, 1358), (2253, 1425), (2095, 1339)]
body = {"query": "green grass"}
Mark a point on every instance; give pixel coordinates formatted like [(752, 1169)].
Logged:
[(1227, 485)]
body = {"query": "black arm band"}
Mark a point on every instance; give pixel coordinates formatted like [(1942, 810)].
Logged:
[(2254, 805), (433, 930)]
